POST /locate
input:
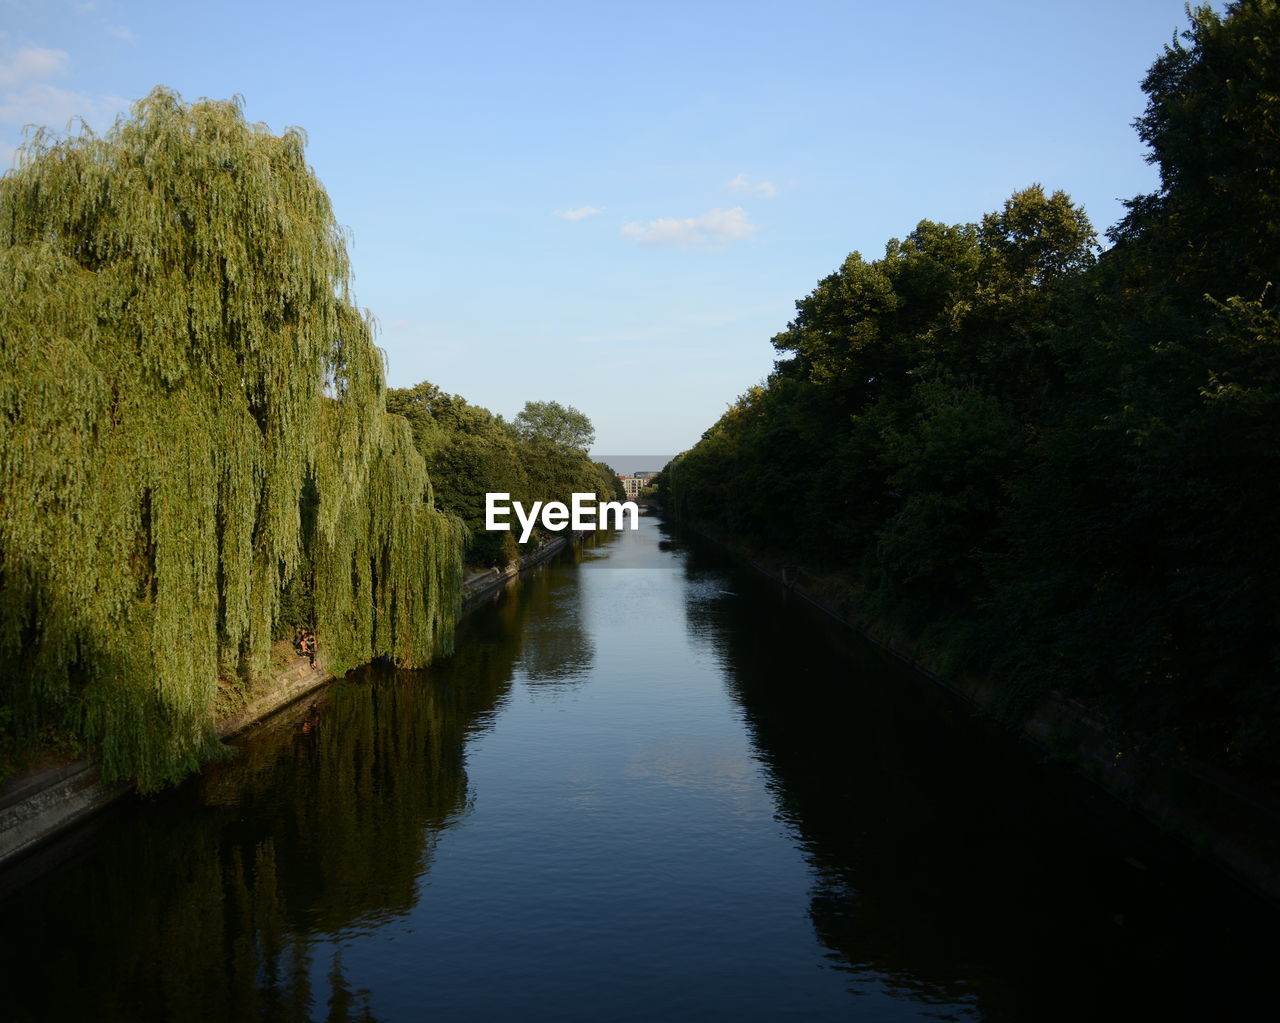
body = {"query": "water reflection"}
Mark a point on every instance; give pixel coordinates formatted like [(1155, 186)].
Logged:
[(735, 811), (950, 867), (556, 650), (230, 898)]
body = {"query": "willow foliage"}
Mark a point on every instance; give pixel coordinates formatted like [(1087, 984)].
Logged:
[(182, 369)]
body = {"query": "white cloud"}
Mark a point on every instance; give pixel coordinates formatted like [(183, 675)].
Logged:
[(763, 189), (31, 64), (715, 228), (26, 97), (581, 213), (45, 104), (122, 32)]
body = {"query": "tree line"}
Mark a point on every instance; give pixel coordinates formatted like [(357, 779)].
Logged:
[(197, 446), (1056, 463), (541, 455)]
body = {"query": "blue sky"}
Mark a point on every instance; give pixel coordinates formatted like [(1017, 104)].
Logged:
[(616, 206)]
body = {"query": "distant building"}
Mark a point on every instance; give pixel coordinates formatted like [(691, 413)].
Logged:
[(635, 483)]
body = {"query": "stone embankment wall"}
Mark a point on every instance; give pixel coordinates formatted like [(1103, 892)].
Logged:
[(37, 806)]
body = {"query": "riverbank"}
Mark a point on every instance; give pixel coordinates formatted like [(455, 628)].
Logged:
[(41, 804), (479, 585), (1229, 819)]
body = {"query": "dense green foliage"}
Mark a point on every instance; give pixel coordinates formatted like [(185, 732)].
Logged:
[(566, 428), (192, 426), (470, 452), (1059, 463)]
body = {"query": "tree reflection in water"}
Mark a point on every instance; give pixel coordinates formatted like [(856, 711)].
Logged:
[(229, 898), (950, 866), (947, 873)]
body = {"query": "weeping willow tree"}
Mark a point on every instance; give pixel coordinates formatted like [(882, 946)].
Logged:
[(193, 420)]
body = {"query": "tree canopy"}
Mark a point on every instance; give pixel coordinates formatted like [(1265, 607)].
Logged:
[(565, 427), (193, 426), (472, 452), (1060, 464)]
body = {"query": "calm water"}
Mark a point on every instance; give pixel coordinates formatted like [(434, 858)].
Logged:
[(647, 787)]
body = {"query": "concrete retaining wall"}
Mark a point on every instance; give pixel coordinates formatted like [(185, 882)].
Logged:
[(37, 806)]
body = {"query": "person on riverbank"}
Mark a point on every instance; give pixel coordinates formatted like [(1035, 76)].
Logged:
[(309, 647)]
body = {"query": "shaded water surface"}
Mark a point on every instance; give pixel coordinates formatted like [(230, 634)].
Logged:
[(647, 786)]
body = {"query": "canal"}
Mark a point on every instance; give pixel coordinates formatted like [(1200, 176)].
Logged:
[(647, 786)]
